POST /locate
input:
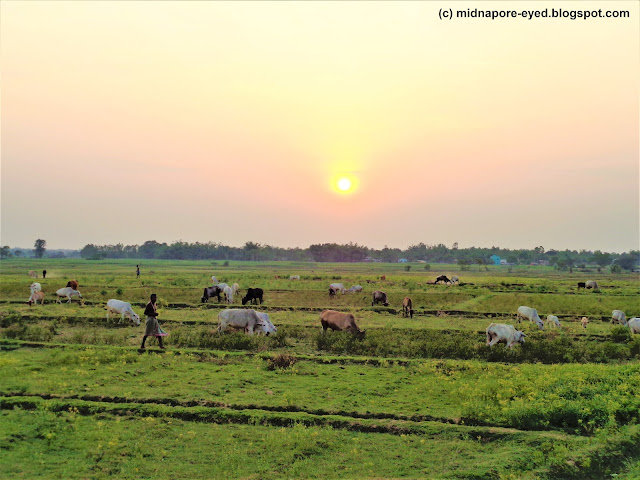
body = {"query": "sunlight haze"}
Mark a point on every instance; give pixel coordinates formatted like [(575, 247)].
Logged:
[(220, 121)]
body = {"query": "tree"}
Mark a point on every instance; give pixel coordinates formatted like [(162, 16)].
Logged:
[(5, 252), (602, 259), (628, 261), (40, 247)]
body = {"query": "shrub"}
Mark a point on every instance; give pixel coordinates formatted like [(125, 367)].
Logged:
[(226, 263), (407, 268), (427, 266), (119, 291), (620, 334), (281, 361)]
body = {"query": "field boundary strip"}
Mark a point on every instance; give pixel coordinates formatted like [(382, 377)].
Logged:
[(280, 308), (91, 405)]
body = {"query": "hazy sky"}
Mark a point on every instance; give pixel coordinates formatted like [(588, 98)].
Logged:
[(227, 122)]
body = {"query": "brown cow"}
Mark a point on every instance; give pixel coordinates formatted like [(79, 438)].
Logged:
[(73, 284), (339, 321), (379, 297), (35, 296), (407, 307), (383, 278)]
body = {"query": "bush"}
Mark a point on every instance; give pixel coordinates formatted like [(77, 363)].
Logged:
[(281, 361), (119, 291), (427, 267), (620, 334), (407, 268), (226, 263)]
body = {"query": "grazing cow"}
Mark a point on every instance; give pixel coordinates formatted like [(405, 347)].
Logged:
[(33, 274), (122, 308), (553, 320), (35, 287), (383, 278), (355, 289), (34, 297), (294, 277), (618, 316), (239, 318), (214, 279), (442, 278), (584, 321), (266, 327), (591, 284), (339, 321), (503, 333), (455, 279), (67, 292), (254, 295), (228, 293), (234, 288), (407, 307), (221, 286), (634, 325), (210, 292), (530, 314), (581, 285), (73, 284), (379, 297), (332, 292), (338, 287)]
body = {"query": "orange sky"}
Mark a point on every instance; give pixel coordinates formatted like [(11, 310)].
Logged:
[(229, 122)]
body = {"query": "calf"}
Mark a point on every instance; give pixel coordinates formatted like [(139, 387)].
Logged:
[(581, 285), (254, 295), (553, 321), (35, 296), (73, 284), (407, 307), (228, 293), (584, 321), (35, 287)]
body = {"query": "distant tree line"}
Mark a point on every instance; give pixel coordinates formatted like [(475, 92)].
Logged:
[(352, 252)]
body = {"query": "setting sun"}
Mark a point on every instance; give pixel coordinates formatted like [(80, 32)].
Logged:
[(344, 184)]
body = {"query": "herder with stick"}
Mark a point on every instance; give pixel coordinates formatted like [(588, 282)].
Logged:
[(153, 328)]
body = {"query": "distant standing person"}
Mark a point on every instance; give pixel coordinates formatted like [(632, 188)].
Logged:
[(137, 271), (153, 328), (44, 274)]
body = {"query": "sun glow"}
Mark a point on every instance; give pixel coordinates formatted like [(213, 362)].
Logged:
[(344, 184)]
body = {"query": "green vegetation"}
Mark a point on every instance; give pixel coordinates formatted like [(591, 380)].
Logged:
[(415, 398)]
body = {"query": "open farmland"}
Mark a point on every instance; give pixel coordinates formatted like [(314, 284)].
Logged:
[(416, 398)]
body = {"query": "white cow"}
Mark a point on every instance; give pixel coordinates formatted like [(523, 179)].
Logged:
[(530, 314), (221, 286), (355, 289), (617, 316), (584, 321), (228, 292), (35, 287), (267, 326), (67, 292), (294, 277), (35, 296), (247, 319), (503, 333), (591, 284), (338, 287), (214, 279), (634, 325), (455, 279), (553, 320), (124, 309), (234, 288)]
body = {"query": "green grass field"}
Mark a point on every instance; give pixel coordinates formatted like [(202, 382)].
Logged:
[(416, 398)]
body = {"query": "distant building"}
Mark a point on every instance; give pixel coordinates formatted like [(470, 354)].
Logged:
[(371, 259), (495, 259), (503, 262), (403, 260)]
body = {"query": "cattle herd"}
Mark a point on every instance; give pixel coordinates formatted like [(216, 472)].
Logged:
[(253, 322)]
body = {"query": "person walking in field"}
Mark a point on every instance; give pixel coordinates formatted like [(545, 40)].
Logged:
[(44, 274), (137, 271), (153, 328)]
